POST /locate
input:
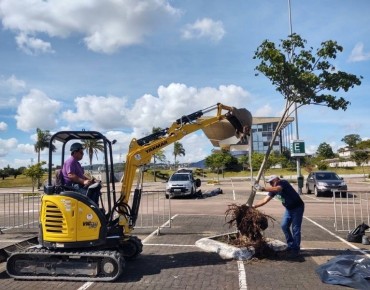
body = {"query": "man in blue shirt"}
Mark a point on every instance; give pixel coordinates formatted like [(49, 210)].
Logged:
[(294, 208)]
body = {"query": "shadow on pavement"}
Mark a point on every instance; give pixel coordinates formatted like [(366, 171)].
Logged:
[(146, 265)]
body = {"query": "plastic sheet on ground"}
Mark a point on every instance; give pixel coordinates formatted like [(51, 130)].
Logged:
[(347, 270)]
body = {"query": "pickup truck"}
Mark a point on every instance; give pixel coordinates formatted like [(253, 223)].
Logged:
[(182, 183)]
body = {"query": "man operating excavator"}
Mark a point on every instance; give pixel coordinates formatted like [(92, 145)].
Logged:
[(74, 175)]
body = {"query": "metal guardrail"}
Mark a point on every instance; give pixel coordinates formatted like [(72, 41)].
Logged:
[(155, 210), (351, 209), (21, 210)]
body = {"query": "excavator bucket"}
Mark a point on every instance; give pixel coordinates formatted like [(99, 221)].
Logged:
[(233, 130)]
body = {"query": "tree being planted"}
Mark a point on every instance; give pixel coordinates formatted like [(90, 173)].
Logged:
[(304, 77)]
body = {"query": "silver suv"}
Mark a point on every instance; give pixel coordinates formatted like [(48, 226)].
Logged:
[(182, 184), (323, 182)]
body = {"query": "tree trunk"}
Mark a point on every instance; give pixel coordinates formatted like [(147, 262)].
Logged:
[(262, 167), (38, 179)]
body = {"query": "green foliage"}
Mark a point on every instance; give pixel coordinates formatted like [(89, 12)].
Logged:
[(35, 172), (351, 140), (215, 161), (244, 161), (303, 76), (42, 142), (360, 157), (274, 159), (308, 163), (257, 159), (92, 146), (8, 171), (178, 150), (220, 160), (325, 151), (363, 145), (322, 165), (3, 173)]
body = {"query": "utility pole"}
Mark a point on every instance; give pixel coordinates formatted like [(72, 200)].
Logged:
[(295, 111)]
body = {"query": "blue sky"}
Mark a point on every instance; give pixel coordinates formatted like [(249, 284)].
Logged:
[(122, 67)]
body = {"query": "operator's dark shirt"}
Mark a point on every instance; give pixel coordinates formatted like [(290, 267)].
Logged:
[(288, 195)]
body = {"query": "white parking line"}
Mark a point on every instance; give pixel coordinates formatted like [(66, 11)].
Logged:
[(242, 277), (88, 284), (313, 197), (339, 238), (232, 185), (155, 232), (171, 245)]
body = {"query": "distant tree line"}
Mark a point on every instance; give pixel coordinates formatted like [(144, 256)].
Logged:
[(222, 161), (8, 171)]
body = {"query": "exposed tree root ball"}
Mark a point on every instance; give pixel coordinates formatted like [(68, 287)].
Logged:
[(250, 223)]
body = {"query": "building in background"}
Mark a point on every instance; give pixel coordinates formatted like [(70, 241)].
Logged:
[(262, 132), (263, 128)]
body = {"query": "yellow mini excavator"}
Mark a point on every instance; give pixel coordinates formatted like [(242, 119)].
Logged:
[(83, 241)]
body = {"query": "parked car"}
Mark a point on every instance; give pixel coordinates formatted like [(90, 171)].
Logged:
[(321, 182), (182, 184)]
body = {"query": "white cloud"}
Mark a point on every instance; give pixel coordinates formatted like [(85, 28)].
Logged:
[(6, 145), (266, 110), (33, 46), (121, 147), (37, 110), (358, 53), (26, 148), (176, 100), (105, 26), (150, 111), (9, 87), (197, 147), (204, 28), (311, 149), (103, 112), (12, 84), (21, 163), (3, 126)]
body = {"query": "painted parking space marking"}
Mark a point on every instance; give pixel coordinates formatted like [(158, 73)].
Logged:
[(337, 237)]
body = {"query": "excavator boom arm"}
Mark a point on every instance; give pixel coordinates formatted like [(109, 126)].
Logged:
[(141, 150)]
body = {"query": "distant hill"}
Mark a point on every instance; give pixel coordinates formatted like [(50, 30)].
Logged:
[(199, 164)]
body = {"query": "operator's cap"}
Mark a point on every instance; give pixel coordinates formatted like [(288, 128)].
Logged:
[(271, 178), (76, 147)]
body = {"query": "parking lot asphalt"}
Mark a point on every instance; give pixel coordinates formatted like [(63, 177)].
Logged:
[(171, 260)]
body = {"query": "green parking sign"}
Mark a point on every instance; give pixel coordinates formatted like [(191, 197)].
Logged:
[(297, 148)]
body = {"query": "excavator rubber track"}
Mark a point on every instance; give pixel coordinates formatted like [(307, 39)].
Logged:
[(45, 264)]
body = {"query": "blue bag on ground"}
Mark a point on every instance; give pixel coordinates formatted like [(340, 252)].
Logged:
[(347, 270)]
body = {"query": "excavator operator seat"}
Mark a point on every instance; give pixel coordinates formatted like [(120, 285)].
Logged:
[(57, 184)]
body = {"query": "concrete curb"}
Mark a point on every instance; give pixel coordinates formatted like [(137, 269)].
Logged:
[(231, 252)]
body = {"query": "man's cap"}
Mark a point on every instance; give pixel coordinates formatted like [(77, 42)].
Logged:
[(76, 147), (271, 178)]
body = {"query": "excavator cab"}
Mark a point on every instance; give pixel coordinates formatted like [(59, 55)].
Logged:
[(69, 219)]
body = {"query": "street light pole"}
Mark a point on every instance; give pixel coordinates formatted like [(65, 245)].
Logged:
[(295, 107)]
